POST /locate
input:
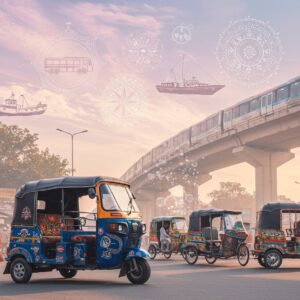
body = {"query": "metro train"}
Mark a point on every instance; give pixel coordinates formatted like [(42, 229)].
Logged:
[(265, 103)]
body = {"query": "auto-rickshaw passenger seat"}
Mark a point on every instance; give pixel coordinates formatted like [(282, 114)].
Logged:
[(207, 235), (50, 227)]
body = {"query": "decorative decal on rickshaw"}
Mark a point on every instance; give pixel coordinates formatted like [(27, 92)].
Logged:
[(105, 242), (100, 231), (60, 259), (60, 249), (24, 233), (35, 253), (76, 252), (109, 240), (26, 213)]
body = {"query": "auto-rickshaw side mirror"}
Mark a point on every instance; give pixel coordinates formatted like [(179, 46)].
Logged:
[(92, 193)]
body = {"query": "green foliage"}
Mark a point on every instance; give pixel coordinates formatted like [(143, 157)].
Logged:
[(21, 160), (231, 195)]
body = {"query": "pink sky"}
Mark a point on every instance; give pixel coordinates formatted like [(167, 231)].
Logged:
[(32, 30)]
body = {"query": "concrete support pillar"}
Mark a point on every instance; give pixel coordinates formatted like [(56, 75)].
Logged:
[(190, 190), (265, 163), (146, 200)]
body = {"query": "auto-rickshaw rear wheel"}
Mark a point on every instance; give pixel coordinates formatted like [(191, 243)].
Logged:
[(273, 259), (152, 251), (20, 270), (210, 259), (67, 273), (168, 254), (261, 260), (142, 274), (191, 255), (243, 255)]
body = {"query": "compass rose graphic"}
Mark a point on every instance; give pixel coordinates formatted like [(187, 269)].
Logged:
[(124, 101)]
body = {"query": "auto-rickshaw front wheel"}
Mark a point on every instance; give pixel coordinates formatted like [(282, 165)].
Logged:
[(20, 270), (142, 274), (191, 255), (261, 260), (68, 273), (243, 255), (152, 251)]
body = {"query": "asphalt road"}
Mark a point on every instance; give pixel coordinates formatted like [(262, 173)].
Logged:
[(170, 279)]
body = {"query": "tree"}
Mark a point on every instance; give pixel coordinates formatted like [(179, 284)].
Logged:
[(21, 160), (232, 195)]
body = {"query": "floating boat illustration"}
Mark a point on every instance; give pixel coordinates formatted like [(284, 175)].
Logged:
[(11, 107), (188, 86)]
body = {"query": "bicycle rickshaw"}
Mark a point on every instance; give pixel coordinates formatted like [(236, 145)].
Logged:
[(177, 230), (277, 234), (216, 234), (76, 223)]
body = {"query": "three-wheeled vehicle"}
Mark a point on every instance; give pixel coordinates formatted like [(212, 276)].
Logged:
[(277, 234), (176, 229), (76, 223), (216, 234)]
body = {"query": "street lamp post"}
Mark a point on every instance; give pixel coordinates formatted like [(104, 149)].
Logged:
[(72, 143)]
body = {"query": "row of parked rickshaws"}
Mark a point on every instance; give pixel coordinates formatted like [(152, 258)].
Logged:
[(221, 234)]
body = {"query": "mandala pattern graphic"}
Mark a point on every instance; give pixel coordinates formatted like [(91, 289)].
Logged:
[(143, 51), (182, 34), (124, 101), (249, 51)]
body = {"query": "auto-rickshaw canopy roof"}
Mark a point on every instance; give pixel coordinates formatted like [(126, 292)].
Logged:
[(166, 218), (63, 182), (205, 214), (270, 214), (213, 212)]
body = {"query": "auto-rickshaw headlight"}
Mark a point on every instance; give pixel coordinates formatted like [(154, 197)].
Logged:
[(144, 228), (118, 227)]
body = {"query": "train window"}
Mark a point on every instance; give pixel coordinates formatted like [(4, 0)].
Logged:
[(254, 105), (263, 101), (236, 112), (282, 94), (210, 123), (270, 99), (216, 121), (244, 108), (226, 116), (203, 126), (295, 89)]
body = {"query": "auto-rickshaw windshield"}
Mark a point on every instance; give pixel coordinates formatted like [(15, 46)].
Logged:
[(179, 224), (234, 222), (116, 197)]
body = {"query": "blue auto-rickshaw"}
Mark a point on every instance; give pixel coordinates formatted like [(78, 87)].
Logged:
[(76, 223)]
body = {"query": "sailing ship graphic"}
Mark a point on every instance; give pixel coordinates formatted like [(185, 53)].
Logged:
[(190, 86), (11, 107)]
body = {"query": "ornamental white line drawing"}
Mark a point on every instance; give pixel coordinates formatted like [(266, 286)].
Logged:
[(70, 64), (143, 51), (249, 51), (182, 34), (124, 100)]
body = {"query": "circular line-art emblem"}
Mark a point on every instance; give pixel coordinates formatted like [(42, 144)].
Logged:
[(249, 51), (70, 63), (143, 51), (124, 101), (182, 34)]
